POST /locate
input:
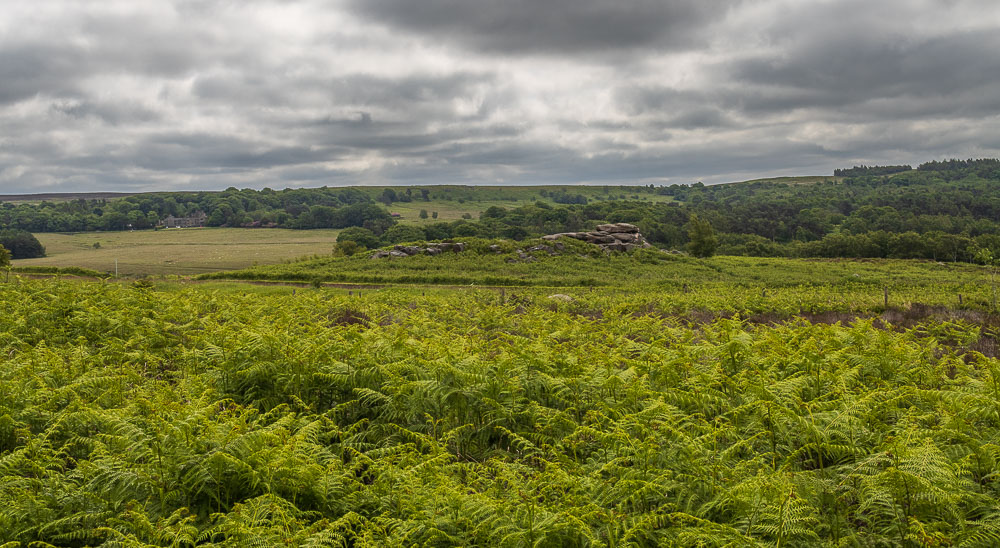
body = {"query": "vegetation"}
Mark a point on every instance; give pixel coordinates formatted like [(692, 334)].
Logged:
[(761, 391), (290, 208), (69, 270), (178, 251), (21, 244), (584, 265), (870, 170), (701, 238), (707, 415), (361, 236), (943, 211)]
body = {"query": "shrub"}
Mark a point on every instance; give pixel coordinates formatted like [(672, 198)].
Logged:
[(403, 233), (360, 236), (21, 244), (346, 248)]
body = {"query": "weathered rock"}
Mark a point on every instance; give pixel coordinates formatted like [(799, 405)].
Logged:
[(574, 235), (410, 250), (561, 297), (625, 236), (407, 249), (596, 238), (495, 248), (609, 237), (618, 228)]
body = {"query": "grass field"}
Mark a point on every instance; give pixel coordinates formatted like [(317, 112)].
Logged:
[(452, 202), (801, 180), (762, 285), (179, 251)]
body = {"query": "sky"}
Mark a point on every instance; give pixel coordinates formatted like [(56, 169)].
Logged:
[(143, 95)]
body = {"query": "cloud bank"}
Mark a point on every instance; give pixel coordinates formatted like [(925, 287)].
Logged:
[(199, 94)]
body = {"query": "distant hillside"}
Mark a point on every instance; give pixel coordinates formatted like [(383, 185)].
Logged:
[(64, 196), (942, 210)]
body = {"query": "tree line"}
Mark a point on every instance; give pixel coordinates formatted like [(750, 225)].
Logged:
[(289, 208)]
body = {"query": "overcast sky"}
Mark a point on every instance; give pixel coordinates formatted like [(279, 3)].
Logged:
[(126, 95)]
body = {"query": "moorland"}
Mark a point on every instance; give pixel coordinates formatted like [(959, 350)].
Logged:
[(832, 386)]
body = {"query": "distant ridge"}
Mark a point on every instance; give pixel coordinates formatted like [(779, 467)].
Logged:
[(63, 196)]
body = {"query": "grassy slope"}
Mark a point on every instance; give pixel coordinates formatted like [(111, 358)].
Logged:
[(179, 251), (802, 180), (912, 281), (451, 202)]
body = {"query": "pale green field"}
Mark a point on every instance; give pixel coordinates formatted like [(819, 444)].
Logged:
[(179, 251), (802, 180), (450, 208)]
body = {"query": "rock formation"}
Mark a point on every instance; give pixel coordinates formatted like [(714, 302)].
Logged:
[(410, 250), (610, 237)]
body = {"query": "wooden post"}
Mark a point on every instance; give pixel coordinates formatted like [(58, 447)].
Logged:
[(350, 293), (885, 295), (959, 299)]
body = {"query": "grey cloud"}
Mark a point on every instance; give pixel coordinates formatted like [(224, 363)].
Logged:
[(411, 96), (29, 70), (190, 94), (109, 113), (861, 67), (54, 62), (656, 108), (180, 151), (552, 26), (866, 60)]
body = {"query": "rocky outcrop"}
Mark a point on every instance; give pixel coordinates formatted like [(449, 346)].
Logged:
[(611, 237), (410, 250)]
